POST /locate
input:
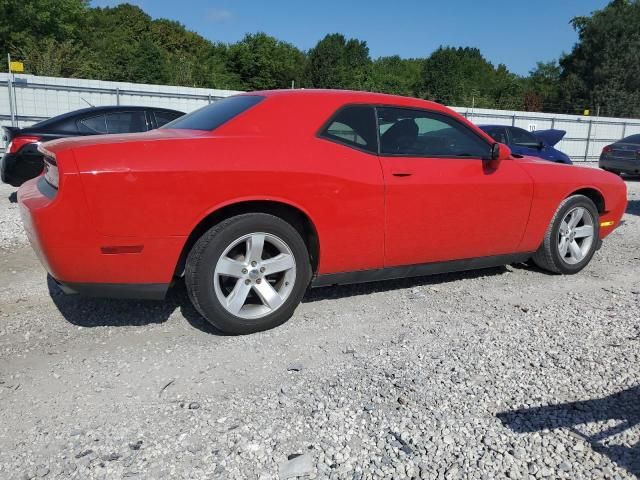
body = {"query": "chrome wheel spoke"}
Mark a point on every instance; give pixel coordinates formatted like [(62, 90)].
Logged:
[(584, 231), (576, 216), (574, 248), (279, 263), (268, 295), (238, 296), (563, 247), (255, 246), (231, 268)]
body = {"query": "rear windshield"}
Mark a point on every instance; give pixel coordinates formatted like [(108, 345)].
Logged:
[(214, 115)]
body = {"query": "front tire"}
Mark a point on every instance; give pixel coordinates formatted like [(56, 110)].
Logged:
[(248, 273), (572, 237)]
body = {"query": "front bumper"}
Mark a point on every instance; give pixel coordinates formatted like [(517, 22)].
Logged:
[(63, 236)]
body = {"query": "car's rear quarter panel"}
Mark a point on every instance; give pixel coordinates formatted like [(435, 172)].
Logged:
[(163, 188)]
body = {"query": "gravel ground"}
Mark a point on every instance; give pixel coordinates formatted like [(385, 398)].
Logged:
[(501, 373)]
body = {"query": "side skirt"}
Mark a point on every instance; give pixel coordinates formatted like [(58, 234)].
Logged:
[(420, 270)]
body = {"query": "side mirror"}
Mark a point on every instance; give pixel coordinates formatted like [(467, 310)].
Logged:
[(499, 152)]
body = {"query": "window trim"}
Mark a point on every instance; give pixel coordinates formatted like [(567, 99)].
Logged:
[(437, 114), (375, 106), (320, 132)]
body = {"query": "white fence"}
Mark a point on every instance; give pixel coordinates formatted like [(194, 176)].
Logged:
[(37, 98)]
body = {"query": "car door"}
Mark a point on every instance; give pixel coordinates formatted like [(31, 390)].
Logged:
[(443, 201)]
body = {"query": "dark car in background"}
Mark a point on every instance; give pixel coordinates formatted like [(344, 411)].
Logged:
[(539, 143), (622, 156), (23, 161)]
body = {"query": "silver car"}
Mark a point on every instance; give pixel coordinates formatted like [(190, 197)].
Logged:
[(622, 156)]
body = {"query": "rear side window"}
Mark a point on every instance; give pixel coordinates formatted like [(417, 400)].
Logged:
[(93, 125), (126, 122), (523, 138), (354, 126), (214, 115), (163, 117)]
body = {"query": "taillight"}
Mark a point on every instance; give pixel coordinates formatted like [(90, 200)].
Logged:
[(51, 171), (606, 149), (18, 142)]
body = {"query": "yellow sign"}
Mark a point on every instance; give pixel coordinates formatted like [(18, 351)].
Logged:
[(586, 112), (17, 67)]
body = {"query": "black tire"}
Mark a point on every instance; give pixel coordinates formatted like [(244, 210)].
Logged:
[(203, 257), (548, 256)]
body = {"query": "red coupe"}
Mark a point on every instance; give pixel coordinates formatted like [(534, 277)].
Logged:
[(256, 197)]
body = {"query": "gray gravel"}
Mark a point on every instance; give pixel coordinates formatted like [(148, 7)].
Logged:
[(502, 373)]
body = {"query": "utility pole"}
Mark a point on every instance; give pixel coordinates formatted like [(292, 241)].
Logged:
[(11, 92)]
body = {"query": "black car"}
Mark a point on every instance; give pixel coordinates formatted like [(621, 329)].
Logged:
[(622, 156), (22, 160)]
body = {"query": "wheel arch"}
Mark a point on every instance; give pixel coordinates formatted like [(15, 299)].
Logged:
[(292, 214), (594, 195)]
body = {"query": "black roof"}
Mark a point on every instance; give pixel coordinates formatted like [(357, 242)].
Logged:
[(60, 119)]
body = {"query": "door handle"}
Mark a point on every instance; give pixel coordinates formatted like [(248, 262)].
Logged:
[(401, 173)]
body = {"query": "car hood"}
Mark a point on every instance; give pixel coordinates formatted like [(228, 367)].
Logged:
[(550, 137)]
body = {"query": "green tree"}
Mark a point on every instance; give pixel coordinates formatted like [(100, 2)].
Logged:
[(23, 21), (263, 62), (603, 69), (396, 75), (336, 62)]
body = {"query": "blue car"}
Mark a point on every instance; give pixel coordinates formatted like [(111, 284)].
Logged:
[(535, 144)]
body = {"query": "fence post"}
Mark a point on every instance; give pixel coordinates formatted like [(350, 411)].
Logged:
[(553, 122), (209, 99), (118, 96), (513, 120), (586, 148), (624, 129)]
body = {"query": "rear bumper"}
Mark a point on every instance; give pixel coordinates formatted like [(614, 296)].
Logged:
[(63, 236), (631, 165), (141, 291)]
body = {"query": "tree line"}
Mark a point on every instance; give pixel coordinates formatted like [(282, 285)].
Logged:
[(68, 38)]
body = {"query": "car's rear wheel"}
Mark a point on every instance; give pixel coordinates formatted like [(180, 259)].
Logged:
[(248, 273), (572, 237)]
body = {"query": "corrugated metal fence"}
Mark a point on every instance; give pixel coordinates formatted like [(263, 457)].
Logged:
[(38, 98)]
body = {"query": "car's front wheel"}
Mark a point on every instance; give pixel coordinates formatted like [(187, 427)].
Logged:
[(248, 273), (571, 238)]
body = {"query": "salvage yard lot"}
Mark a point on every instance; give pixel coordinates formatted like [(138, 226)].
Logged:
[(466, 375)]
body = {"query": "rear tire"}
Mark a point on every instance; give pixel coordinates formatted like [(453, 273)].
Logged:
[(571, 238), (248, 273)]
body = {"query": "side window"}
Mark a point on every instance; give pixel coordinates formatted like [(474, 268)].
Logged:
[(92, 125), (427, 134), (523, 138), (126, 122), (164, 116), (354, 126), (499, 134)]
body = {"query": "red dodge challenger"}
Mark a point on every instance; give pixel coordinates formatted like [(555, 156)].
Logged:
[(256, 197)]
